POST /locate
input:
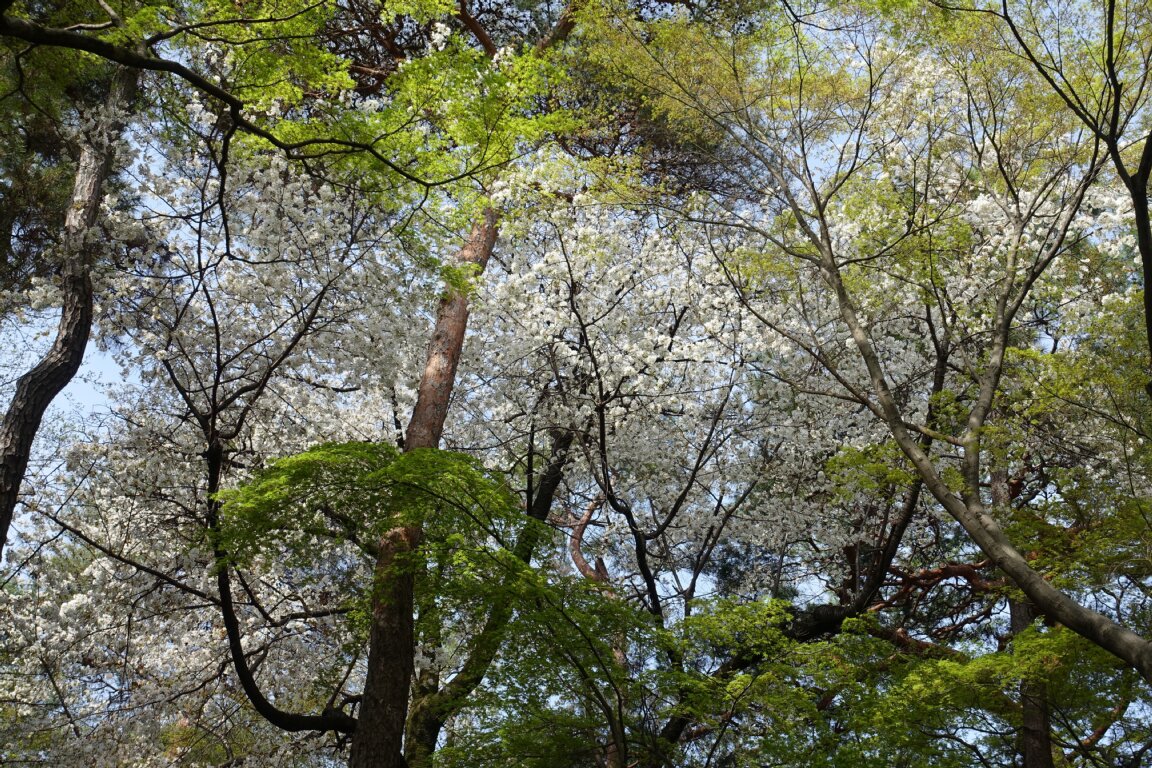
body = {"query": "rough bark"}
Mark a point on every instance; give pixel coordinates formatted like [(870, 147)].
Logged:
[(1035, 740), (38, 387), (379, 740), (432, 398)]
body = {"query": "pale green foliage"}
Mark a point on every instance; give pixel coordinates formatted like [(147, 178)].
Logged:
[(357, 491), (683, 338)]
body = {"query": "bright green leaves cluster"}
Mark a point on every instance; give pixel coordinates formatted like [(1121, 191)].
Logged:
[(451, 117), (726, 628), (141, 22), (856, 700), (356, 492), (335, 491), (925, 697), (468, 114), (445, 113), (762, 685), (681, 72), (267, 51), (770, 700), (875, 469), (322, 512), (420, 11), (53, 78), (273, 51)]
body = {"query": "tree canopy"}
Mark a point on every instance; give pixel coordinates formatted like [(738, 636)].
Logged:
[(619, 383)]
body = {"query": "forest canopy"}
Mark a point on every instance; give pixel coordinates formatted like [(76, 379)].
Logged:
[(622, 383)]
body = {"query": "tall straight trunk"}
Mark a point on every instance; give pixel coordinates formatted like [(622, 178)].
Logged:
[(379, 739), (38, 387), (427, 422), (1138, 191)]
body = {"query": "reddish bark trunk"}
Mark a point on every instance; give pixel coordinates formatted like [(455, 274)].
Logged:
[(379, 740), (427, 424)]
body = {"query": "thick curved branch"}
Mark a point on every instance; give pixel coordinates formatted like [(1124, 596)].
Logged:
[(37, 34), (970, 511), (331, 719), (476, 28), (576, 542)]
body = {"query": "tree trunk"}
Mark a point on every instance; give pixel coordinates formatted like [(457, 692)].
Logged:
[(1034, 742), (427, 423), (37, 388), (1035, 739), (1138, 191), (379, 739)]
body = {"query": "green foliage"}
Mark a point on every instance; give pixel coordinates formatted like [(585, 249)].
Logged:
[(729, 627), (421, 11), (875, 469), (313, 509), (356, 492), (579, 665), (290, 500), (1093, 526), (273, 49), (565, 662)]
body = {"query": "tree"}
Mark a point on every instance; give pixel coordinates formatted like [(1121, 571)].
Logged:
[(119, 38), (467, 121), (1102, 79), (76, 249), (826, 119), (741, 377)]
